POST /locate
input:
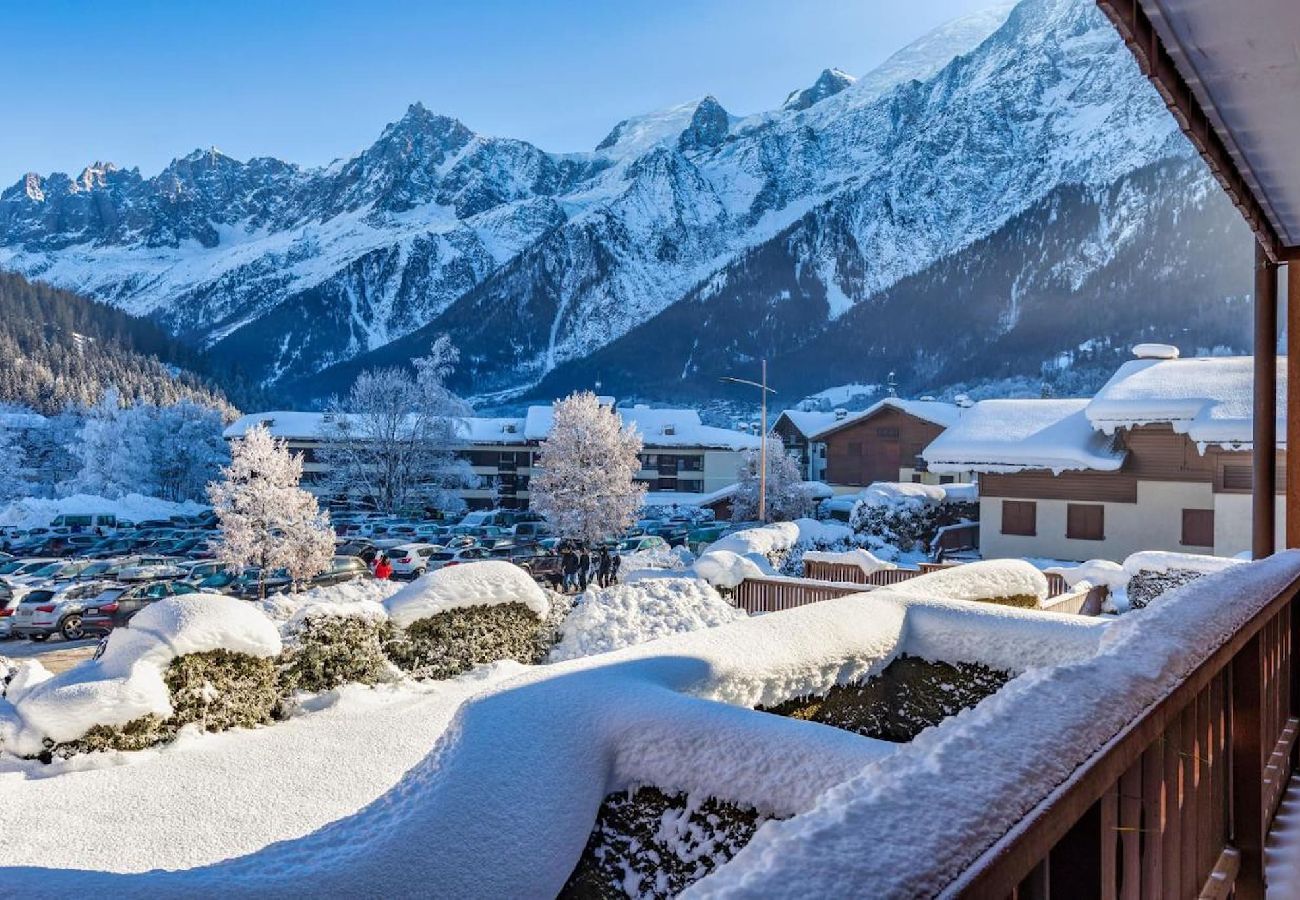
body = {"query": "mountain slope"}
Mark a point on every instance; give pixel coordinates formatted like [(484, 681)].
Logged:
[(542, 266), (57, 348)]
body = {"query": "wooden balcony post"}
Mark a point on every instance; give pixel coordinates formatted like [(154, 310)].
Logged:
[(1293, 404), (1247, 776), (1264, 499)]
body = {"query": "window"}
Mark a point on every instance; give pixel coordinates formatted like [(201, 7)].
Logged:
[(946, 479), (887, 433), (1020, 517), (1198, 528), (1085, 521), (1238, 478), (916, 478)]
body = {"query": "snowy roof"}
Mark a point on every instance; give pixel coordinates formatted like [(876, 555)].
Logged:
[(658, 427), (686, 498), (1206, 398), (807, 422), (1013, 435), (944, 414)]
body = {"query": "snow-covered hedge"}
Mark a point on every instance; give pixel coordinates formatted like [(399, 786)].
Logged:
[(1143, 576), (137, 678), (456, 618), (1010, 582), (650, 608), (908, 516), (767, 549), (331, 644)]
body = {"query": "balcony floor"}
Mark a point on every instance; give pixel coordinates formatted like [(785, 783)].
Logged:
[(1282, 854)]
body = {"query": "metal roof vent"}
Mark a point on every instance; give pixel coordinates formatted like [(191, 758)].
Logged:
[(1155, 351)]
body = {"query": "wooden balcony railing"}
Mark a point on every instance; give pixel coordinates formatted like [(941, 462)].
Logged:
[(1179, 803)]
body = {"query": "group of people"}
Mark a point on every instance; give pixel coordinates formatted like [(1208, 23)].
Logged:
[(578, 567)]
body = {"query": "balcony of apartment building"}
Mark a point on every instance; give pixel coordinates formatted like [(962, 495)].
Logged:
[(681, 472), (1161, 773)]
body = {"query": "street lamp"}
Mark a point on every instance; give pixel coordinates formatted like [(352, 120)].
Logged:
[(764, 390)]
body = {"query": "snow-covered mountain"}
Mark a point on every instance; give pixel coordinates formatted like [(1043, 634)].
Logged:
[(541, 264)]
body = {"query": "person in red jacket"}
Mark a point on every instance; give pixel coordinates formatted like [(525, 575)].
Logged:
[(383, 568)]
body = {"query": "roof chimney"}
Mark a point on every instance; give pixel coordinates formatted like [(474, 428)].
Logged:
[(1155, 351), (841, 414)]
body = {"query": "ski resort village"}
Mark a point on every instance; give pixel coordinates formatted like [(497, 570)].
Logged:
[(882, 492)]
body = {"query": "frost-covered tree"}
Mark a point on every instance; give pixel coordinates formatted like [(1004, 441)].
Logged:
[(17, 477), (189, 449), (391, 440), (115, 450), (787, 496), (584, 485), (266, 519)]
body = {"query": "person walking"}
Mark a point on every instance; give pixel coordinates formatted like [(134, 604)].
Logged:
[(614, 562), (569, 566), (584, 568), (383, 568), (602, 566)]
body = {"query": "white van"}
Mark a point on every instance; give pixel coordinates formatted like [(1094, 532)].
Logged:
[(76, 523)]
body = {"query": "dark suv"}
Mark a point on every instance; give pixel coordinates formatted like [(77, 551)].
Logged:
[(114, 606)]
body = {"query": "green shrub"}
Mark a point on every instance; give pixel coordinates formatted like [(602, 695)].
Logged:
[(216, 690), (648, 843), (1146, 586), (910, 695), (455, 641), (327, 651)]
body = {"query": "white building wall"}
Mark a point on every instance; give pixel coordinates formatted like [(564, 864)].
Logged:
[(1155, 522), (721, 468), (1232, 524)]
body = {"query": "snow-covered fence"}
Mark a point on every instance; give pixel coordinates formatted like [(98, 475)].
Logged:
[(821, 571), (775, 593)]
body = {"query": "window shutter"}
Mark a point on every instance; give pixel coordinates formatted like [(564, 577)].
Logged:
[(1198, 528), (1020, 517), (1085, 521)]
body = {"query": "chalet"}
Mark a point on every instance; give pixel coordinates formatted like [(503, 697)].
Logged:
[(884, 443), (796, 427), (1159, 459), (681, 457)]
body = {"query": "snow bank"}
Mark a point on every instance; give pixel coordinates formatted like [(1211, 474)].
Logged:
[(1095, 572), (902, 493), (629, 614), (726, 569), (983, 580), (486, 583), (32, 512), (366, 592), (1161, 561), (126, 682), (778, 537), (864, 560)]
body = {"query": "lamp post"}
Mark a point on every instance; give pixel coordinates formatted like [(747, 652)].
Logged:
[(764, 390)]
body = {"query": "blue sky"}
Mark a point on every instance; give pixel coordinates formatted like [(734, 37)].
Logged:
[(139, 83)]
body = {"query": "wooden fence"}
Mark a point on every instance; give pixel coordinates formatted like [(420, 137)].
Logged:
[(1179, 803), (849, 573)]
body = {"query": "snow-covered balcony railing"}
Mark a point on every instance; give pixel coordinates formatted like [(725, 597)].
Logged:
[(1153, 769)]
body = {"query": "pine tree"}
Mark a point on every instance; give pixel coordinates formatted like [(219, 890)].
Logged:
[(787, 496), (585, 485), (267, 520)]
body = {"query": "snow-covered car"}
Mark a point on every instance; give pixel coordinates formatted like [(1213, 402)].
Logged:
[(46, 611), (114, 606), (636, 544), (411, 560), (8, 605), (427, 530), (50, 573), (155, 571), (17, 569), (198, 570), (444, 558)]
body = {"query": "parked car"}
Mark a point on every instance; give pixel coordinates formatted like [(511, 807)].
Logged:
[(224, 582), (444, 558), (342, 569), (79, 522), (47, 611), (18, 568), (544, 565), (59, 570), (114, 606), (363, 548), (8, 604), (648, 542), (411, 560), (198, 570), (151, 571), (532, 531)]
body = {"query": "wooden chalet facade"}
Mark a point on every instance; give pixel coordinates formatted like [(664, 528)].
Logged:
[(885, 443)]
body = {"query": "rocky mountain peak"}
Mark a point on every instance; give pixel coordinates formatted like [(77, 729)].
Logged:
[(828, 83), (708, 128)]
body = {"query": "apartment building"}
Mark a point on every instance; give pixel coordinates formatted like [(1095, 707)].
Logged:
[(681, 456), (1159, 459)]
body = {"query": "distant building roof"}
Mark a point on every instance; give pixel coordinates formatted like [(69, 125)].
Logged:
[(808, 422), (1207, 398), (1017, 435), (934, 411), (658, 427)]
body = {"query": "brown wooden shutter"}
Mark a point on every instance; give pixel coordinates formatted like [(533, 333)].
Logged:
[(1198, 527), (1238, 478), (1020, 517), (1085, 521)]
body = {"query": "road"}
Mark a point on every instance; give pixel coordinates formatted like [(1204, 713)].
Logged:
[(55, 654)]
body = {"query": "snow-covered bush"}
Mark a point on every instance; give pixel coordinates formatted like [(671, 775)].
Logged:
[(788, 496), (145, 686), (1152, 573), (647, 843), (767, 550), (650, 608), (908, 516), (330, 644), (456, 618), (1009, 582), (7, 669)]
